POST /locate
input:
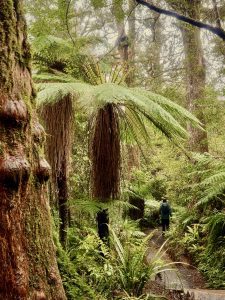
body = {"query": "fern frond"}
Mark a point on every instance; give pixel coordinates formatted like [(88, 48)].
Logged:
[(214, 188), (48, 77), (50, 93), (177, 111), (157, 110), (93, 206), (211, 196), (216, 227), (50, 49), (138, 123), (215, 179)]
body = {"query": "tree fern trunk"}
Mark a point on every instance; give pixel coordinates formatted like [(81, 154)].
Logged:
[(103, 224), (63, 203), (27, 253), (58, 119), (105, 156)]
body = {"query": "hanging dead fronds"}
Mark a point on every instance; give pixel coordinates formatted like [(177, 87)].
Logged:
[(58, 119), (105, 153)]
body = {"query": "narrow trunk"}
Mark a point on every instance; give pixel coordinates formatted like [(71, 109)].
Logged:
[(133, 159), (105, 156), (154, 52), (62, 188), (126, 42), (122, 39), (126, 48), (103, 225), (27, 253), (195, 76), (133, 151), (130, 80)]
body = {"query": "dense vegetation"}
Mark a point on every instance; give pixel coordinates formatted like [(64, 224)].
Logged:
[(148, 164), (132, 103)]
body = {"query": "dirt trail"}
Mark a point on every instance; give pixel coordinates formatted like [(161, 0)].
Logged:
[(183, 281), (184, 274)]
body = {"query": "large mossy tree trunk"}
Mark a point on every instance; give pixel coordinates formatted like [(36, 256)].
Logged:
[(105, 158), (27, 253)]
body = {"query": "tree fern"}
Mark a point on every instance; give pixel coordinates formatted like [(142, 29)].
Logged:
[(108, 101), (52, 52), (138, 102)]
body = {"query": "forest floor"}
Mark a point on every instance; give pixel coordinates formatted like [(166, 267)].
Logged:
[(180, 280)]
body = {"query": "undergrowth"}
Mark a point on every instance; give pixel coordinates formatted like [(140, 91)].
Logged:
[(199, 231), (92, 270)]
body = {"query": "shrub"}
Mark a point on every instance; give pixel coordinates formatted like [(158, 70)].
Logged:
[(151, 216)]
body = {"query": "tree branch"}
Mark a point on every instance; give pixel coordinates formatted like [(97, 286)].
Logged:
[(215, 30)]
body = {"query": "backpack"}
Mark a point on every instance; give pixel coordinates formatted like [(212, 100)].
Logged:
[(165, 209)]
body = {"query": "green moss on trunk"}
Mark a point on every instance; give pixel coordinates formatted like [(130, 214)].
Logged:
[(27, 253)]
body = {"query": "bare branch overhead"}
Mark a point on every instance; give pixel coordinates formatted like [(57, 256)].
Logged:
[(215, 30)]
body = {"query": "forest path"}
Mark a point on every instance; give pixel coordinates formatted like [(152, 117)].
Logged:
[(181, 281)]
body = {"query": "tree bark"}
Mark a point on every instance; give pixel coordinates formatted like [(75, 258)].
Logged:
[(105, 161), (126, 47), (122, 39), (27, 253), (58, 120), (103, 225), (63, 196)]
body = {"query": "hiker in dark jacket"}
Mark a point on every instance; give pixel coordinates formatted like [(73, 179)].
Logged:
[(165, 213)]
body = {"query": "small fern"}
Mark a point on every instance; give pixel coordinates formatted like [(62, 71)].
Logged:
[(209, 177), (216, 228)]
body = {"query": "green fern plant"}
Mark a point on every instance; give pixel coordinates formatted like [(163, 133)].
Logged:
[(93, 206), (211, 185), (54, 55), (131, 265), (216, 228), (76, 286)]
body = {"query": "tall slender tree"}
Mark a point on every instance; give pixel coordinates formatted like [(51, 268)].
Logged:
[(126, 46), (154, 50), (27, 253), (195, 74), (195, 70)]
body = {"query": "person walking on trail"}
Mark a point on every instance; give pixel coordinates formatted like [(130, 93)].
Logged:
[(165, 213)]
